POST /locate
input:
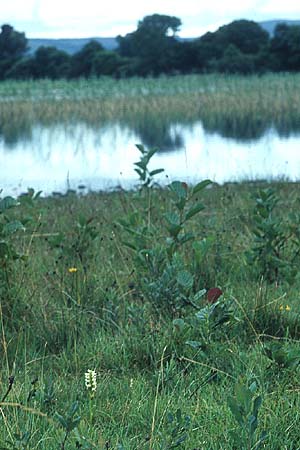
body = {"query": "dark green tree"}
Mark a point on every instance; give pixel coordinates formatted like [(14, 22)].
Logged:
[(248, 36), (153, 45), (208, 49), (110, 63), (13, 46), (23, 69), (162, 24), (230, 43), (94, 60), (49, 62), (234, 61), (83, 63), (285, 47)]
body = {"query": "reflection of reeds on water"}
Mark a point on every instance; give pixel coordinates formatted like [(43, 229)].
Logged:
[(240, 107)]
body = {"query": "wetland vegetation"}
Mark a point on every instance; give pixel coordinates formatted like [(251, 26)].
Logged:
[(152, 319), (233, 106)]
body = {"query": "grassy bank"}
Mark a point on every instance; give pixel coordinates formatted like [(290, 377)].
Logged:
[(235, 106), (115, 283)]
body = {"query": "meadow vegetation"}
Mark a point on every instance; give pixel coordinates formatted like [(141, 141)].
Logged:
[(152, 319)]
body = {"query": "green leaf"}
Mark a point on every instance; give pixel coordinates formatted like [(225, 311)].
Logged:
[(141, 148), (253, 387), (37, 195), (174, 230), (199, 295), (256, 405), (200, 186), (155, 172), (235, 410), (73, 424), (141, 164), (252, 423), (205, 312), (194, 344), (186, 238), (141, 174), (194, 210), (179, 190), (7, 203), (201, 248), (179, 324), (244, 397), (151, 152), (173, 218), (185, 279), (12, 227), (74, 408), (61, 420)]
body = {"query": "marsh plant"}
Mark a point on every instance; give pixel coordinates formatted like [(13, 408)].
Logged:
[(275, 252), (146, 176), (185, 205), (169, 285), (176, 430), (213, 319), (175, 284), (166, 279), (281, 355), (244, 406), (68, 422)]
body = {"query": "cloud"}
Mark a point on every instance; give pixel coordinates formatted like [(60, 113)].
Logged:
[(282, 9), (17, 10), (69, 18)]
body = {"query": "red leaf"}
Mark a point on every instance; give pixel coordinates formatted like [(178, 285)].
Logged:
[(213, 294)]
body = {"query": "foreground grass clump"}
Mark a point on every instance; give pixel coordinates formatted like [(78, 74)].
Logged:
[(146, 320)]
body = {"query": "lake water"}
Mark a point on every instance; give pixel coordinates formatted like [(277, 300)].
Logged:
[(63, 157)]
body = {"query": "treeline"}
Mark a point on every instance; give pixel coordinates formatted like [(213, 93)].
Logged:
[(154, 48)]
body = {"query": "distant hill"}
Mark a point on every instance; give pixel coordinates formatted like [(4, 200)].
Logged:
[(70, 46), (270, 25)]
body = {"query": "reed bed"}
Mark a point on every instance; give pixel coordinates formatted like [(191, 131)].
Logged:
[(221, 102)]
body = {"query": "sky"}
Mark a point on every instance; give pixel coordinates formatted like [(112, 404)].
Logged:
[(93, 18)]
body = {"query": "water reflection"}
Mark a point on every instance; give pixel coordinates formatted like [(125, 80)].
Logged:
[(154, 129), (59, 157), (159, 134), (12, 135)]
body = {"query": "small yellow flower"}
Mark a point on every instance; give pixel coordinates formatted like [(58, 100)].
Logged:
[(72, 269), (286, 307)]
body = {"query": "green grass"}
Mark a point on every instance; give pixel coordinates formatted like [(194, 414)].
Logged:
[(56, 324)]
